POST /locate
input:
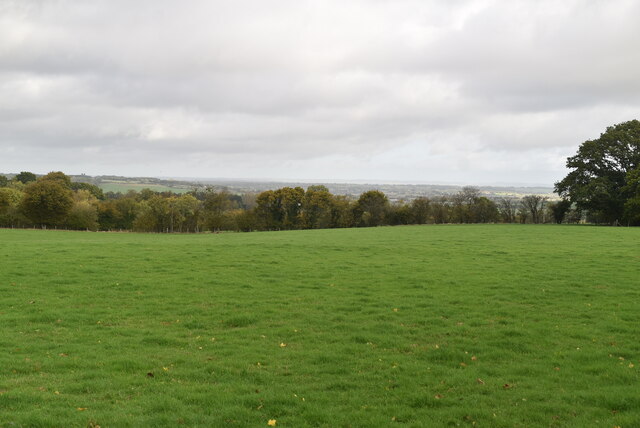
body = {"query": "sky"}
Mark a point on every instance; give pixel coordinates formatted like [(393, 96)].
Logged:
[(415, 91)]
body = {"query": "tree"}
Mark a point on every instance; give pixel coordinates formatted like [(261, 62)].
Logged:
[(507, 208), (441, 210), (632, 204), (371, 208), (484, 210), (420, 210), (3, 181), (400, 213), (280, 209), (599, 172), (83, 215), (46, 202), (559, 209), (10, 214), (92, 188), (58, 176), (534, 205), (25, 177), (317, 208), (215, 205), (462, 207)]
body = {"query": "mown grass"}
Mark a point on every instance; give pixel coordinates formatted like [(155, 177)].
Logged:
[(495, 325)]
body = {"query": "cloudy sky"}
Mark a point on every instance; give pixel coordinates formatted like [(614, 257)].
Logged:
[(436, 91)]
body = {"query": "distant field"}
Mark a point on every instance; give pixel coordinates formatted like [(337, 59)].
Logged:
[(125, 187), (492, 326)]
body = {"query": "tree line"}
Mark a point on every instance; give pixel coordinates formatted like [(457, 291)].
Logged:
[(54, 201)]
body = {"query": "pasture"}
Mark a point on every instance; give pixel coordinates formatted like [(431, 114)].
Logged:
[(465, 325)]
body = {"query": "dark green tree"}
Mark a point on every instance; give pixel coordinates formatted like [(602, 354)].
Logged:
[(91, 188), (632, 204), (420, 210), (559, 209), (3, 181), (598, 172), (25, 177), (371, 209)]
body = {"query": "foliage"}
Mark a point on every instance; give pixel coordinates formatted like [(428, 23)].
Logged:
[(10, 213), (25, 177), (371, 209), (59, 177), (46, 202), (91, 188), (214, 209), (559, 209), (534, 205), (599, 172)]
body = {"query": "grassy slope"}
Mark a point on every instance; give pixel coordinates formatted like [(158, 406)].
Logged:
[(427, 326)]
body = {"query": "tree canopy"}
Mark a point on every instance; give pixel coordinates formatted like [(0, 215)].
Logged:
[(598, 180)]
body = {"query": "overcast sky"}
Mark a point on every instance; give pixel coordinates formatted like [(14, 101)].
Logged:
[(449, 91)]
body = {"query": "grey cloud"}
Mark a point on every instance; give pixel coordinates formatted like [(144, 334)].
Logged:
[(359, 88)]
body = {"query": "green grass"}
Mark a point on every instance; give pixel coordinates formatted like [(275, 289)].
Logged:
[(125, 187), (498, 325)]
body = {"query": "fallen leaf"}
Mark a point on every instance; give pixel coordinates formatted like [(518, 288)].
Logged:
[(474, 358), (283, 345), (150, 374), (272, 422), (480, 381), (463, 364), (82, 409), (506, 386), (438, 396), (556, 368)]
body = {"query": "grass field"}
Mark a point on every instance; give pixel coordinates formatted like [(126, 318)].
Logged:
[(492, 326), (125, 187)]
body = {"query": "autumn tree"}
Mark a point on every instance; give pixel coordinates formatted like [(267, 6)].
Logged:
[(10, 213), (83, 215), (317, 208), (46, 202), (59, 177)]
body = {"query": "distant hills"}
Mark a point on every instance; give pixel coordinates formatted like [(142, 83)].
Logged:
[(113, 183)]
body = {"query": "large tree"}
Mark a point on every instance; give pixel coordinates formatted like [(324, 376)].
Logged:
[(599, 172), (46, 202), (371, 209), (25, 177)]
